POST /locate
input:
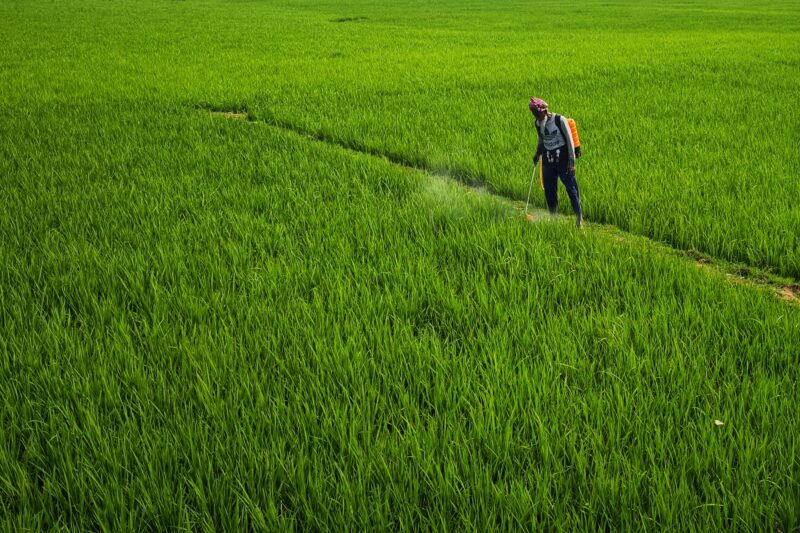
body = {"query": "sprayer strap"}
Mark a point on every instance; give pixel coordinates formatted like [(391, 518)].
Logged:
[(561, 128)]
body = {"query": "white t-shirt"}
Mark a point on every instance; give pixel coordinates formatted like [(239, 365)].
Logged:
[(550, 137)]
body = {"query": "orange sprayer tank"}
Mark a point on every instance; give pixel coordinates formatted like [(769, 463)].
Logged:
[(573, 129)]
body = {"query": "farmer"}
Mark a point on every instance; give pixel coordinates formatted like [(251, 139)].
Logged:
[(555, 145)]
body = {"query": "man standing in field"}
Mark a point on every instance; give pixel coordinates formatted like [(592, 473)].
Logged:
[(556, 147)]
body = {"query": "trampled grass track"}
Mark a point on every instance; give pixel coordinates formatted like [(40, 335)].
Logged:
[(784, 288)]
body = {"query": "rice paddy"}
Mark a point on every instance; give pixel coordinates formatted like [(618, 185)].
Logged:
[(325, 310)]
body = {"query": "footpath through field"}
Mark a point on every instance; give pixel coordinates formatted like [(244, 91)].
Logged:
[(784, 288)]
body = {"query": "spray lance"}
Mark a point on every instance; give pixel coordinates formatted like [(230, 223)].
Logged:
[(541, 179), (541, 184)]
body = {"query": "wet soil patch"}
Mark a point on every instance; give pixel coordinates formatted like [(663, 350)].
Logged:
[(790, 293), (234, 115), (348, 19)]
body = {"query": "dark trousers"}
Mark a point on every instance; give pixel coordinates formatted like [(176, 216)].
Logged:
[(550, 174)]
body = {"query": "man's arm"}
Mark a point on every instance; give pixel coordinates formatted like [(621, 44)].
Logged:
[(570, 145)]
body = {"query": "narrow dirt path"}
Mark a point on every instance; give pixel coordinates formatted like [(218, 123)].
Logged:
[(783, 288)]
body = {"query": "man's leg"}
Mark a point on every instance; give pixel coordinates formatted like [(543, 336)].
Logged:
[(571, 184), (550, 179)]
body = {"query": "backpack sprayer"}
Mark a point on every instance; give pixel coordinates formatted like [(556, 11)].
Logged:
[(576, 141)]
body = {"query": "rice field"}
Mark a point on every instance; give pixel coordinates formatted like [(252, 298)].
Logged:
[(325, 310)]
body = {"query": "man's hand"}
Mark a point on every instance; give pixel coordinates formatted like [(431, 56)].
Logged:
[(571, 170), (536, 160)]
